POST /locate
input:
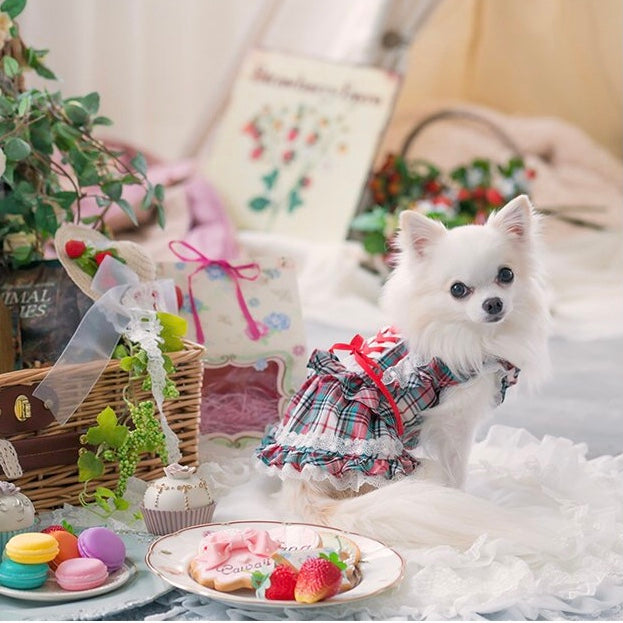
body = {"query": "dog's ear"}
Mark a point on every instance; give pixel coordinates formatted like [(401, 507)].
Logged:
[(417, 231), (515, 218)]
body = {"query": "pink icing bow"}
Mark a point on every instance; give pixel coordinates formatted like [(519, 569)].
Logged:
[(250, 272), (217, 547)]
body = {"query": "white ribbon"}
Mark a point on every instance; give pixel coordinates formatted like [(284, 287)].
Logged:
[(126, 307)]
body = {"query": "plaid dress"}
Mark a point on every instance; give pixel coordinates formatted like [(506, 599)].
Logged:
[(339, 424)]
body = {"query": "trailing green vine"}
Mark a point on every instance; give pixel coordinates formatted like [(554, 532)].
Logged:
[(117, 442)]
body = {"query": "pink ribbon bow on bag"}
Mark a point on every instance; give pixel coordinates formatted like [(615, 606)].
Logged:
[(217, 547), (255, 330)]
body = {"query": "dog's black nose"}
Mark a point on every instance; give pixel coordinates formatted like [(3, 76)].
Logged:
[(493, 306)]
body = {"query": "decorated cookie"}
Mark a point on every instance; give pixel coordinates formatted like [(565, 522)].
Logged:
[(295, 538), (228, 558)]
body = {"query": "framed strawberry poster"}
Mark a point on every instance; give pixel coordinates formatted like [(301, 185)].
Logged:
[(296, 143)]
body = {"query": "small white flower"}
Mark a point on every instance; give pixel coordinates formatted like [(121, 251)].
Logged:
[(474, 178), (5, 26)]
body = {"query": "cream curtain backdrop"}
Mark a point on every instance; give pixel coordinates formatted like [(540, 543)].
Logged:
[(163, 68)]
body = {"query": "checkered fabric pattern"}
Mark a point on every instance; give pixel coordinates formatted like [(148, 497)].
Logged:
[(340, 421)]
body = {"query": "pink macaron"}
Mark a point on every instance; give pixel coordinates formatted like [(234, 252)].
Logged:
[(81, 574), (103, 544)]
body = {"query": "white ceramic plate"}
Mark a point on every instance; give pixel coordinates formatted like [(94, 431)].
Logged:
[(51, 591), (170, 556)]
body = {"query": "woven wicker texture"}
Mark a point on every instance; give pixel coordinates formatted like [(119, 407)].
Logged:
[(57, 485)]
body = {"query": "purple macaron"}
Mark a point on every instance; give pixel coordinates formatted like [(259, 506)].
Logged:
[(103, 544)]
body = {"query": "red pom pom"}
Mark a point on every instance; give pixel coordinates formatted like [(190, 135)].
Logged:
[(75, 248), (99, 257)]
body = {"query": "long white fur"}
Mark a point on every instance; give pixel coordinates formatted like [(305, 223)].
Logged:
[(429, 508)]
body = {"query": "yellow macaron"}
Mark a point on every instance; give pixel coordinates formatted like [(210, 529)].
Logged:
[(31, 548)]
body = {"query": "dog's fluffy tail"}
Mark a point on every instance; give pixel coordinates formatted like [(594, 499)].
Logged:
[(416, 513)]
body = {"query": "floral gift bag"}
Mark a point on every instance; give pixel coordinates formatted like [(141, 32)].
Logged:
[(247, 315)]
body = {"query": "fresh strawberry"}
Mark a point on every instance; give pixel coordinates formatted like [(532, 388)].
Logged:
[(54, 528), (99, 257), (75, 248), (282, 583), (318, 579), (180, 297)]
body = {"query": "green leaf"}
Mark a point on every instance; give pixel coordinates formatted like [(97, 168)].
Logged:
[(16, 148), (24, 103), (294, 200), (173, 329), (271, 179), (68, 527), (148, 199), (75, 110), (374, 242), (128, 210), (259, 203), (45, 218), (159, 192), (91, 102), (160, 215), (107, 431), (89, 466), (126, 363), (102, 121), (139, 163), (113, 190), (374, 220), (41, 136), (6, 107), (43, 71), (12, 7), (121, 504), (89, 175)]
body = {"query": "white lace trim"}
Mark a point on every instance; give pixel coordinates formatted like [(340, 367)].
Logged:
[(9, 460), (352, 480), (384, 447), (144, 328)]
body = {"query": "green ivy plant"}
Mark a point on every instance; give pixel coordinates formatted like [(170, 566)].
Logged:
[(117, 441), (50, 158)]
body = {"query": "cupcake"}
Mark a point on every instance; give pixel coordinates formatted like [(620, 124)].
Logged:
[(179, 500), (17, 514)]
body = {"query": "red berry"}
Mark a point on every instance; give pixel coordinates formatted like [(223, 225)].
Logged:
[(493, 196), (530, 174), (463, 194), (180, 297), (433, 187), (478, 193), (318, 579), (75, 248), (54, 528), (99, 257), (282, 583)]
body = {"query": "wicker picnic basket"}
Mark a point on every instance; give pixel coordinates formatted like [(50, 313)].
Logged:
[(54, 480)]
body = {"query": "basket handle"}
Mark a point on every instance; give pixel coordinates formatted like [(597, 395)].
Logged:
[(457, 113)]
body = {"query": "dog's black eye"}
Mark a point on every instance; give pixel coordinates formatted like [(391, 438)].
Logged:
[(505, 275), (459, 290)]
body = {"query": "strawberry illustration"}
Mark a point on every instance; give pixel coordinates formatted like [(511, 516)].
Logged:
[(318, 579), (54, 528)]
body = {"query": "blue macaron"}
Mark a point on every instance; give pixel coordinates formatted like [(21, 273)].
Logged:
[(22, 576)]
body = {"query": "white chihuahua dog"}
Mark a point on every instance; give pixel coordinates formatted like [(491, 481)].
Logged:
[(474, 298)]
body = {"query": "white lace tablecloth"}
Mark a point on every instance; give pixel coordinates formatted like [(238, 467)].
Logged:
[(551, 477)]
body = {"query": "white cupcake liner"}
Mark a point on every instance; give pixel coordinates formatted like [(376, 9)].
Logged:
[(165, 522)]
